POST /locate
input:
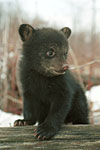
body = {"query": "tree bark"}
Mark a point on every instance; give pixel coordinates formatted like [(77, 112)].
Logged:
[(71, 137)]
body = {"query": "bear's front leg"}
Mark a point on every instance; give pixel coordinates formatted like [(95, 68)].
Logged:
[(28, 112), (55, 118)]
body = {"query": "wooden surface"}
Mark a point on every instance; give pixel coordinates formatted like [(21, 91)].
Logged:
[(70, 137)]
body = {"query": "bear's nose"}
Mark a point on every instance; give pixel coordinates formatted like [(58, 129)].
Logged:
[(65, 67)]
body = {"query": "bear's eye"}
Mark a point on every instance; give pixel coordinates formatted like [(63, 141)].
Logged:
[(51, 52)]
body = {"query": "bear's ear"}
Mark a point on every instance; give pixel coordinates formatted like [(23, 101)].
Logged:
[(25, 31), (66, 31)]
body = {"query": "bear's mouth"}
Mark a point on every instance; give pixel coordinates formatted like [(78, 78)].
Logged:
[(60, 71)]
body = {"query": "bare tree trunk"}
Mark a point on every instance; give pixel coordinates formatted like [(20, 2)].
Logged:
[(5, 67), (76, 64)]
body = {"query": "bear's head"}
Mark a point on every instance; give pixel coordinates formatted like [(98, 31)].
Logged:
[(45, 50)]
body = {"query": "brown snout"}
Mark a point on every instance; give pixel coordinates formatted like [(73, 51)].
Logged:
[(63, 68)]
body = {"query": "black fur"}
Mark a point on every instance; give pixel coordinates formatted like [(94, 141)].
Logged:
[(51, 95)]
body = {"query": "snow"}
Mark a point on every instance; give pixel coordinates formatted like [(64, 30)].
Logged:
[(93, 95), (7, 119)]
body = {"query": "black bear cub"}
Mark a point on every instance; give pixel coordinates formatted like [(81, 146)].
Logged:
[(51, 95)]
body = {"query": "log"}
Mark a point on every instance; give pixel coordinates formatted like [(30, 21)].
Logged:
[(71, 137)]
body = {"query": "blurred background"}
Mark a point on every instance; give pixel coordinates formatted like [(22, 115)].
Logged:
[(83, 17)]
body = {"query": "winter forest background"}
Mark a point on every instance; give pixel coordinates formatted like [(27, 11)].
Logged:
[(84, 53)]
